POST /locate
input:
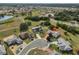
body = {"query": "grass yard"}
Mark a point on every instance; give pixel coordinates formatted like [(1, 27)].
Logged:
[(27, 41), (9, 52), (9, 32), (38, 52)]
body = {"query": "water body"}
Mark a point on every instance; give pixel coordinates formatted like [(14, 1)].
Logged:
[(5, 18)]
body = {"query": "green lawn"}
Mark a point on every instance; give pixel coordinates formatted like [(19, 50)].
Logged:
[(27, 41), (37, 52), (10, 28), (9, 32)]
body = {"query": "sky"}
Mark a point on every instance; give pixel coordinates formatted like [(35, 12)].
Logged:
[(39, 1)]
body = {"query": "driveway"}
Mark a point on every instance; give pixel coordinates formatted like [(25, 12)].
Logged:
[(39, 43)]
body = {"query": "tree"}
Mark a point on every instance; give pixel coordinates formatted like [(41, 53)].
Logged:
[(27, 18), (23, 13), (49, 16), (29, 23), (67, 15), (44, 18), (65, 33), (47, 23), (30, 13), (36, 18), (23, 27), (1, 15)]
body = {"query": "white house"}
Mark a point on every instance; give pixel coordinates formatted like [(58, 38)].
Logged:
[(54, 33)]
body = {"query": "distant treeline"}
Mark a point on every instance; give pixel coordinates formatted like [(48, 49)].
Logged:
[(39, 4), (67, 15)]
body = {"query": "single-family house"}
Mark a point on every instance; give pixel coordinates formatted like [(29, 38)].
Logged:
[(54, 33), (64, 45), (12, 40), (37, 29)]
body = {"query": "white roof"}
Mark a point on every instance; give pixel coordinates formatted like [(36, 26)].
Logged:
[(54, 33)]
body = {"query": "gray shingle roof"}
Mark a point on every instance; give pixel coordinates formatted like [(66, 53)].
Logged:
[(14, 40), (64, 45), (37, 29)]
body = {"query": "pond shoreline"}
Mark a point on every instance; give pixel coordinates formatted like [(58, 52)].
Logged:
[(5, 18)]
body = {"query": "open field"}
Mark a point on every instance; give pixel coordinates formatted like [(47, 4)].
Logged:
[(10, 28)]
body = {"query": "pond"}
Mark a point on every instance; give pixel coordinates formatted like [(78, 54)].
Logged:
[(5, 18)]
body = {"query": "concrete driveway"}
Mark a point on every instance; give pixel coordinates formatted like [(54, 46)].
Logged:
[(39, 43)]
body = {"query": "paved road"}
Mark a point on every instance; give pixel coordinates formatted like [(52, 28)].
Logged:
[(39, 43)]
